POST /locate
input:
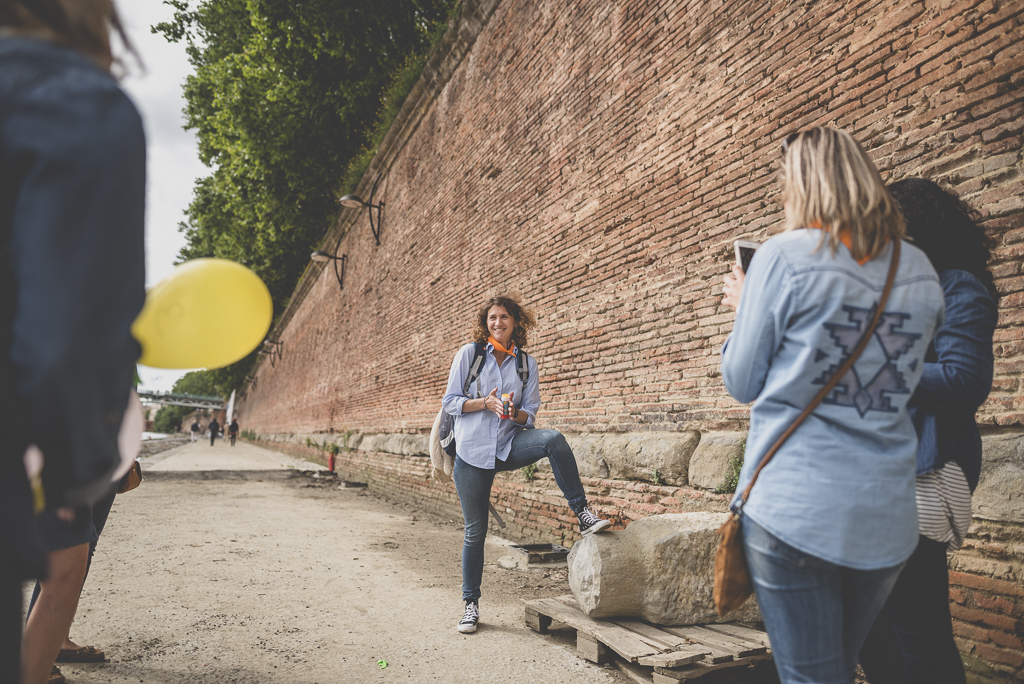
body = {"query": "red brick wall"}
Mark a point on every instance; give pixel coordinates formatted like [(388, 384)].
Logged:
[(601, 161), (987, 597)]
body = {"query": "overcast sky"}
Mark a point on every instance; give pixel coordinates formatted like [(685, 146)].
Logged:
[(173, 162)]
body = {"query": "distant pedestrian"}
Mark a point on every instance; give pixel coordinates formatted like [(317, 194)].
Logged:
[(233, 430), (214, 429), (196, 428)]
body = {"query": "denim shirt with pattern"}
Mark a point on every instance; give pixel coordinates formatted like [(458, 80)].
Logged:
[(842, 486)]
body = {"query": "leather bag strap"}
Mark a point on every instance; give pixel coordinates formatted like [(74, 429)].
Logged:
[(843, 370)]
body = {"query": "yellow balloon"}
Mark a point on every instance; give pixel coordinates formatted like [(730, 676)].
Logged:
[(207, 313)]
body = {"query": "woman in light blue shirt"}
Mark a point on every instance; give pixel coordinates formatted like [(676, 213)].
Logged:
[(831, 518), (486, 443)]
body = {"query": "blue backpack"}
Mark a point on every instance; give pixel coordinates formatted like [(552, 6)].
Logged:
[(447, 426)]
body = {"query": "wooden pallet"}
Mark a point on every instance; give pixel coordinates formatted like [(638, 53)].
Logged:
[(665, 654)]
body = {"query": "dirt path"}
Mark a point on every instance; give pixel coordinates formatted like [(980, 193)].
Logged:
[(253, 577)]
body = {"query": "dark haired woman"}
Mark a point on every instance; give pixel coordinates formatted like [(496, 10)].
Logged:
[(72, 169), (487, 443), (912, 640)]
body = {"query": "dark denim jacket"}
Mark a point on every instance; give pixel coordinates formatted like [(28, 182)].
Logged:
[(72, 200), (956, 380)]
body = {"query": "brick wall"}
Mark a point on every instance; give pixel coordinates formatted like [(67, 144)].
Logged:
[(987, 601), (600, 160)]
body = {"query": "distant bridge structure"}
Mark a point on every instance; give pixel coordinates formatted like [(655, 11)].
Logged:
[(172, 399)]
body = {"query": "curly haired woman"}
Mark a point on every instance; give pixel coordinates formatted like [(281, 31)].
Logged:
[(488, 443)]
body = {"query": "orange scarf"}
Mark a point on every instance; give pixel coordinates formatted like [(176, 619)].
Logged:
[(844, 237), (497, 346)]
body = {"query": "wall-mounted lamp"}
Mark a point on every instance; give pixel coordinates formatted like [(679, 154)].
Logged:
[(271, 348), (320, 255), (354, 202)]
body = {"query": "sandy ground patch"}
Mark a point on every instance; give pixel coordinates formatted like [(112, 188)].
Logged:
[(257, 578)]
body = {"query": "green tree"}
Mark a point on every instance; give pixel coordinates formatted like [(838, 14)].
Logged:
[(284, 99), (196, 383)]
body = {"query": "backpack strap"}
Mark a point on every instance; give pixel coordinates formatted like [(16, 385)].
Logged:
[(474, 367), (523, 366)]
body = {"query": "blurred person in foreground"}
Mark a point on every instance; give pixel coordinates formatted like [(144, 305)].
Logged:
[(72, 192), (912, 639), (831, 519)]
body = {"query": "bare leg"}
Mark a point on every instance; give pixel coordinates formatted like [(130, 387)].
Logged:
[(51, 618)]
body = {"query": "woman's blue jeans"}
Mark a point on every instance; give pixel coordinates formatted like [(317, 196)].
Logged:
[(474, 487), (817, 614)]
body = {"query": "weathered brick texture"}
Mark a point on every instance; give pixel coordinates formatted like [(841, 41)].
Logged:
[(987, 602), (602, 159)]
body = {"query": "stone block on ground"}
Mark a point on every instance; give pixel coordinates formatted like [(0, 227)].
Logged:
[(711, 463), (634, 455), (659, 569)]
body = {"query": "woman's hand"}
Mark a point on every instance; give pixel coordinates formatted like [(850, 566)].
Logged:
[(733, 288), (492, 402)]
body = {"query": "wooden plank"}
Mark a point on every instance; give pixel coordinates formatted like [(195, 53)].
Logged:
[(537, 622), (690, 653), (635, 673), (655, 636), (718, 641), (622, 641), (742, 633), (592, 650), (719, 652), (700, 669)]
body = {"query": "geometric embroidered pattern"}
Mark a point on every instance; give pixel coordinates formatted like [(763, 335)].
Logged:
[(873, 395)]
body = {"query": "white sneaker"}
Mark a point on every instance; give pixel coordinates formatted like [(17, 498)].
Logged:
[(468, 623)]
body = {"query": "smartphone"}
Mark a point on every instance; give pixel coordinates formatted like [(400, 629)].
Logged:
[(745, 252)]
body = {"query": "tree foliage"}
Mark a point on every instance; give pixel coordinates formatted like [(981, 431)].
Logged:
[(284, 99), (197, 383)]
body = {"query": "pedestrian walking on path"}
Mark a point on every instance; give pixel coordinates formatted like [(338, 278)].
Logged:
[(196, 427), (495, 410), (214, 429), (233, 430)]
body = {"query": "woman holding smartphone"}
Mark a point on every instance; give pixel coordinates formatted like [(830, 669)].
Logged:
[(490, 441), (831, 518)]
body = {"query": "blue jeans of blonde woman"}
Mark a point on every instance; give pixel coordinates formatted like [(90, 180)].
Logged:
[(817, 614), (474, 487)]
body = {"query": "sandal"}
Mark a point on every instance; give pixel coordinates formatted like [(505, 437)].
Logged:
[(82, 654), (56, 677)]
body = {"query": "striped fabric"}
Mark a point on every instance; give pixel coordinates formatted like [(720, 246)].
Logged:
[(944, 505)]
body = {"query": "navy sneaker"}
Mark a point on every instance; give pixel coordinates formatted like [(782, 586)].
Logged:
[(468, 623), (590, 523)]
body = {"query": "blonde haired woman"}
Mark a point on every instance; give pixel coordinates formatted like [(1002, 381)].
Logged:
[(831, 518)]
